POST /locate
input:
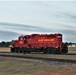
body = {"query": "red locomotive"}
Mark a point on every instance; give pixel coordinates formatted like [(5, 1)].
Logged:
[(46, 43)]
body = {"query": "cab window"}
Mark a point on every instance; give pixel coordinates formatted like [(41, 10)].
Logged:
[(20, 39), (24, 39), (59, 36)]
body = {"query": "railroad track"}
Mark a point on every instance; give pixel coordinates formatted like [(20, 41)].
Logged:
[(40, 58)]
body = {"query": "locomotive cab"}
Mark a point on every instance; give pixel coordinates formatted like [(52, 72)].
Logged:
[(19, 45), (22, 39)]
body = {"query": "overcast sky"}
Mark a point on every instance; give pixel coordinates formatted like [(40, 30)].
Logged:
[(28, 17)]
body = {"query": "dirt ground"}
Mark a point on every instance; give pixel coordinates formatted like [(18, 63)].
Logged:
[(71, 70), (4, 49), (21, 67), (9, 66)]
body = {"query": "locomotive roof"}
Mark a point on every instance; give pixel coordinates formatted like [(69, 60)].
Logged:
[(22, 36)]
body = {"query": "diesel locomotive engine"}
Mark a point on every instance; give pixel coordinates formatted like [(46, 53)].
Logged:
[(46, 43)]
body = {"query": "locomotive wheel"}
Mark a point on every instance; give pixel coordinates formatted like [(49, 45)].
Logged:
[(20, 50), (24, 50), (64, 49), (53, 51), (56, 51), (49, 51), (45, 51), (12, 50), (16, 50)]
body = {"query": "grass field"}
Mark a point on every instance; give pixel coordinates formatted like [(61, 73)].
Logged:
[(10, 66)]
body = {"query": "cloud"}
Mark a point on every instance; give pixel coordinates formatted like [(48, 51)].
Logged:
[(13, 30), (28, 17), (23, 27), (8, 35)]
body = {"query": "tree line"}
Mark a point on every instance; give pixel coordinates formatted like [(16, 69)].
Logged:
[(7, 44)]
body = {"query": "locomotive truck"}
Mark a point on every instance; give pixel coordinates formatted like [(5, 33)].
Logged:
[(46, 43)]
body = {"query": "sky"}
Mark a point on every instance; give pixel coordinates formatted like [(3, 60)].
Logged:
[(37, 17)]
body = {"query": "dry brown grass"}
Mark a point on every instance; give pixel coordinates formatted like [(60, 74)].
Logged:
[(72, 50), (4, 49), (21, 67)]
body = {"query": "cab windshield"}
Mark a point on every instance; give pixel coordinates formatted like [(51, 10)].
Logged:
[(20, 39)]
